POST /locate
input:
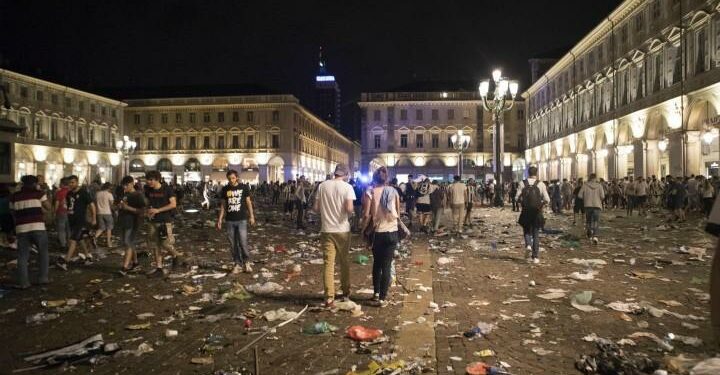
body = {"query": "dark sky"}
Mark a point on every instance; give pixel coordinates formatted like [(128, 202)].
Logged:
[(369, 45)]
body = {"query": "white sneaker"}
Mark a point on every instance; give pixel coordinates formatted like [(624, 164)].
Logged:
[(595, 241), (528, 251), (237, 269), (536, 260), (247, 268)]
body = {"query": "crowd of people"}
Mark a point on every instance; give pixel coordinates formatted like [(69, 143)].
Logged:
[(85, 217)]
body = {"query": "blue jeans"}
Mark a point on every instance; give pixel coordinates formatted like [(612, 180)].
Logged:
[(63, 229), (383, 248), (237, 234), (532, 239), (24, 241), (592, 220)]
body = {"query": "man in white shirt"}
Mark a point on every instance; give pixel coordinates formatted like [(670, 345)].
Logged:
[(334, 202), (458, 192), (104, 200)]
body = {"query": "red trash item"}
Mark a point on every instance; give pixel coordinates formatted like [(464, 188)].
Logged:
[(247, 323), (280, 249), (477, 368), (360, 333)]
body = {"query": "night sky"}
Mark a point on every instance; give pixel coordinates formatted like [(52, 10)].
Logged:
[(369, 45)]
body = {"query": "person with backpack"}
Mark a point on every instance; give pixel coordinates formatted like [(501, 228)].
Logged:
[(592, 195), (533, 196), (422, 204), (437, 204)]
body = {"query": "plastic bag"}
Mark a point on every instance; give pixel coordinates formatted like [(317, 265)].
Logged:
[(360, 333)]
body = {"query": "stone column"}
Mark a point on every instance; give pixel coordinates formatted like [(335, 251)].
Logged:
[(639, 156), (693, 153), (590, 163), (601, 166), (675, 154), (612, 163), (652, 158)]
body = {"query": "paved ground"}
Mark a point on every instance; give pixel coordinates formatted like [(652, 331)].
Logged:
[(497, 288)]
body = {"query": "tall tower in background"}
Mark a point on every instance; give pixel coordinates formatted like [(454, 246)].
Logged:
[(327, 95)]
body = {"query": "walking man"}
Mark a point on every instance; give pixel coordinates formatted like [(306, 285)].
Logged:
[(237, 210), (334, 203), (61, 218), (458, 192), (78, 201), (470, 194), (533, 197), (161, 208), (131, 209), (104, 200), (27, 207), (592, 195)]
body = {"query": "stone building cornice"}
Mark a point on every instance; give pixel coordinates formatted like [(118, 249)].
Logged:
[(621, 13), (55, 86)]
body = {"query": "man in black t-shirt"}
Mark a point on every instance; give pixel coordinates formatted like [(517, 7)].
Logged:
[(77, 201), (131, 208), (161, 208), (237, 209)]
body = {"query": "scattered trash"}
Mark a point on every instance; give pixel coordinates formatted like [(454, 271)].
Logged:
[(279, 314), (171, 333), (319, 328), (553, 294), (663, 344), (202, 360), (360, 333), (40, 317), (707, 367), (266, 288), (362, 259), (582, 300), (444, 260), (611, 359), (626, 307), (137, 327)]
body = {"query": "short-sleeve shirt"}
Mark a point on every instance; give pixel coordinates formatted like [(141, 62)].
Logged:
[(77, 203), (235, 198), (103, 200), (331, 196), (127, 219), (158, 198), (60, 197), (27, 205)]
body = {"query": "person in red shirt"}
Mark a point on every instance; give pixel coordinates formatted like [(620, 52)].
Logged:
[(60, 209)]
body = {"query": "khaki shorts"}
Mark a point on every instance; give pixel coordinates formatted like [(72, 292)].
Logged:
[(154, 241)]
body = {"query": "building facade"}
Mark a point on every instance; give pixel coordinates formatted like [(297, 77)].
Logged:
[(264, 137), (638, 95), (64, 131), (410, 133)]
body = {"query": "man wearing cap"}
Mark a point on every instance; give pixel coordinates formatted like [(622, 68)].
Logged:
[(334, 203)]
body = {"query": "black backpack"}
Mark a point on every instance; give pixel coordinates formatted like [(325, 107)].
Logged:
[(531, 196)]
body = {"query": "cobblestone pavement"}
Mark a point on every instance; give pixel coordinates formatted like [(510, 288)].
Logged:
[(641, 263), (447, 286)]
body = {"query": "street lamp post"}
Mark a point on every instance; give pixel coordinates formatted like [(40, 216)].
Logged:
[(460, 143), (503, 95), (125, 147)]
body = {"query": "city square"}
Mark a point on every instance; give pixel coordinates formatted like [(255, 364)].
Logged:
[(542, 202)]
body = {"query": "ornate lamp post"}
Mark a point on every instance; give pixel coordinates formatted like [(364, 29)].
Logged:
[(460, 143), (126, 147), (502, 99)]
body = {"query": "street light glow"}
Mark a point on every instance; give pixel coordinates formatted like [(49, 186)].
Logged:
[(484, 88), (496, 74)]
